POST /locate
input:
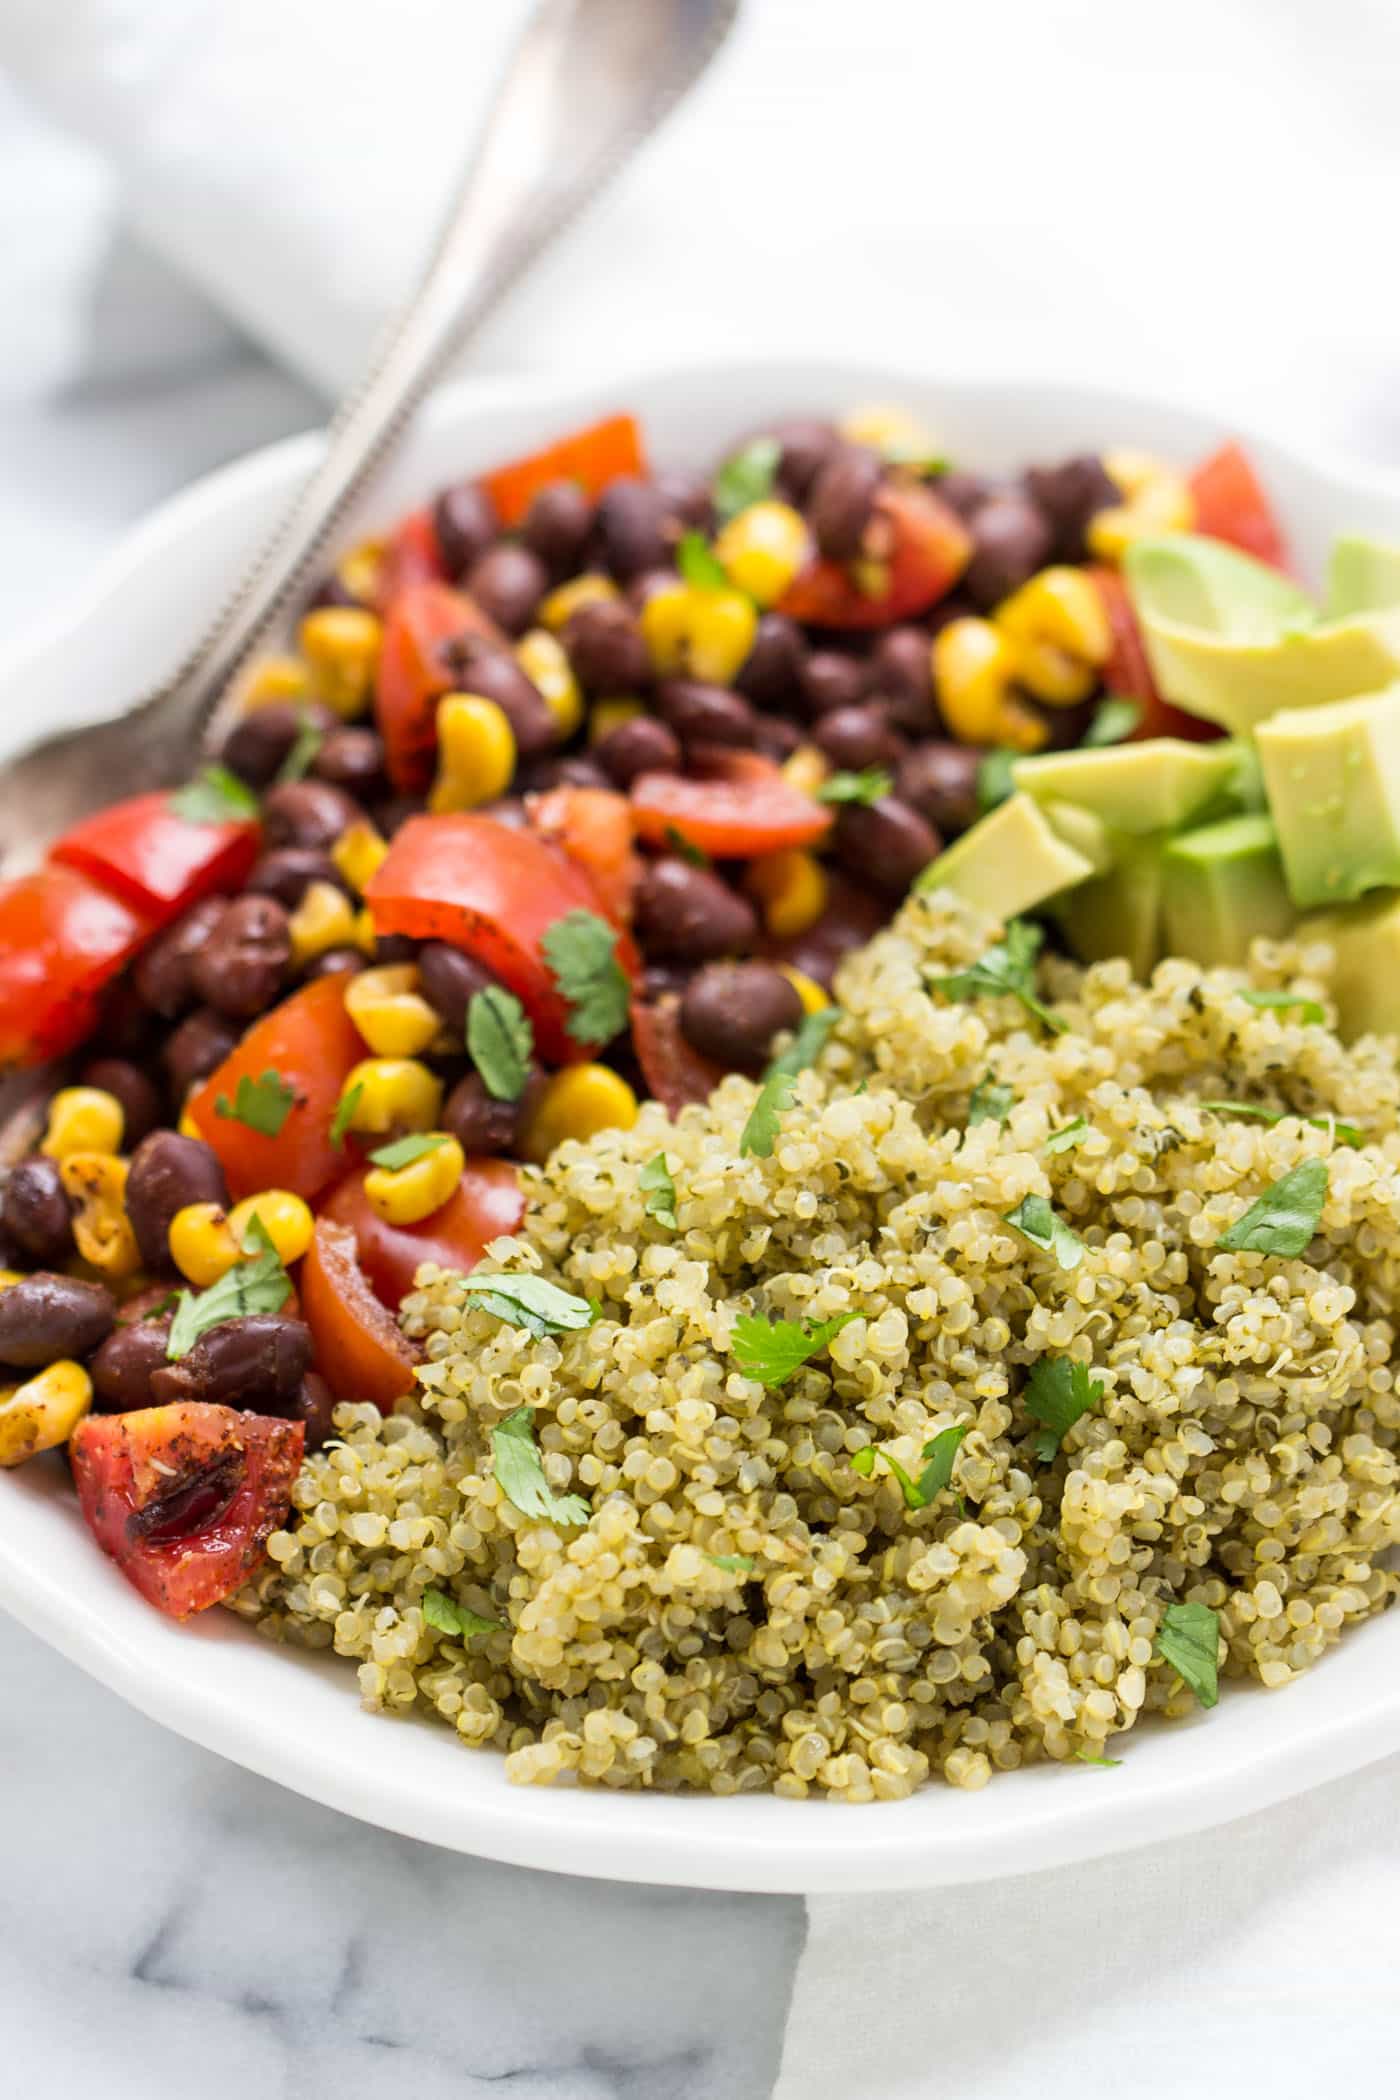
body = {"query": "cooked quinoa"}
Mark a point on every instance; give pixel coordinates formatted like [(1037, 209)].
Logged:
[(1243, 1454)]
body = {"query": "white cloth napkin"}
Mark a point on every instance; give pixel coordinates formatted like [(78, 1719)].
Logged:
[(1194, 200)]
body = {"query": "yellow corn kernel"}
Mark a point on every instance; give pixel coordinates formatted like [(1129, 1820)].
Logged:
[(815, 998), (974, 668), (95, 1184), (1155, 499), (806, 769), (394, 1093), (324, 919), (406, 1195), (560, 606), (705, 633), (366, 939), (285, 1219), (607, 715), (275, 679), (341, 645), (83, 1119), (388, 1008), (42, 1413), (1060, 627), (543, 660), (476, 753), (762, 548), (202, 1245), (889, 430), (9, 1278), (577, 1103), (790, 888), (358, 853), (1131, 471), (359, 570), (188, 1127)]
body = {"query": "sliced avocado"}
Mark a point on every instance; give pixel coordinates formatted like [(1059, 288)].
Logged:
[(1153, 786), (1333, 781), (1230, 639), (1119, 913), (1222, 885), (1365, 939), (1363, 575), (1084, 831), (1008, 863)]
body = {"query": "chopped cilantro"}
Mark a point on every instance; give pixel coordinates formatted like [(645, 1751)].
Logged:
[(732, 1563), (345, 1113), (746, 477), (1067, 1136), (1111, 1763), (677, 842), (989, 1102), (1036, 1220), (870, 785), (994, 782), (1057, 1393), (1309, 1011), (1189, 1639), (1007, 970), (302, 756), (771, 1350), (445, 1615), (1284, 1219), (1113, 720), (1344, 1133), (259, 1285), (760, 1132), (520, 1473), (581, 952), (261, 1104), (500, 1041), (699, 565), (214, 796), (940, 1452), (659, 1191), (531, 1302), (404, 1151)]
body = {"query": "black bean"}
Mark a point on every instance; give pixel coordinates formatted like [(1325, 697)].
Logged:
[(140, 1097), (643, 588), (449, 981), (900, 672), (246, 960), (885, 843), (125, 1024), (805, 446), (198, 1047), (831, 680), (334, 962), (465, 520), (1010, 541), (574, 770), (394, 811), (260, 742), (352, 760), (479, 1122), (940, 782), (122, 1368), (732, 1011), (631, 528), (167, 1172), (686, 503), (842, 501), (307, 813), (45, 1318), (332, 592), (704, 714), (605, 648), (963, 492), (482, 667), (557, 526), (856, 737), (164, 972), (690, 913), (1068, 496), (642, 745), (313, 1405), (776, 737), (256, 1362), (289, 871), (393, 948), (34, 1212), (508, 582), (772, 671)]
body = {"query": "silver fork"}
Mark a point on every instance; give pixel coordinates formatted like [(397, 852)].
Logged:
[(587, 83)]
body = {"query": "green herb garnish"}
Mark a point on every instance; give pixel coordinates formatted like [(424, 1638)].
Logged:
[(677, 842), (1035, 1220), (870, 785), (1113, 720), (214, 796), (520, 1473), (760, 1132), (445, 1615), (659, 1192), (581, 952), (260, 1285), (531, 1302), (940, 1451), (1067, 1136), (261, 1104), (1057, 1393), (699, 565), (1005, 971), (771, 1350), (500, 1042), (345, 1113), (732, 1563), (1085, 1759), (302, 756), (746, 477), (1284, 1219), (1344, 1133), (1309, 1011), (989, 1102), (1189, 1639), (994, 782), (405, 1150)]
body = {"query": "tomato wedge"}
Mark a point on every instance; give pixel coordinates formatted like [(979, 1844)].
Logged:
[(487, 1202), (748, 809), (594, 456), (411, 555), (154, 858), (360, 1350), (675, 1072), (311, 1043), (494, 893), (412, 676), (929, 549), (1231, 505), (1129, 675), (61, 940), (594, 827), (185, 1498)]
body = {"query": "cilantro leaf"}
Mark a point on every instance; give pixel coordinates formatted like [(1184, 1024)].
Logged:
[(746, 477), (1309, 1011), (260, 1285), (214, 796), (1284, 1219), (760, 1132), (520, 1473), (531, 1302), (261, 1104), (445, 1615), (345, 1113), (771, 1350), (677, 842), (1113, 721), (1007, 970), (1035, 1220), (1067, 1136), (1189, 1639), (989, 1103), (500, 1041), (659, 1190), (872, 784), (1344, 1133), (940, 1451), (732, 1563), (302, 756), (405, 1150), (699, 565), (994, 782), (581, 952), (1085, 1759), (1057, 1393)]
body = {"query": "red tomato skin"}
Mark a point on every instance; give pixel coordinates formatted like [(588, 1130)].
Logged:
[(1128, 673), (412, 555), (153, 858), (495, 893), (675, 1072), (1231, 505), (61, 940), (931, 548), (488, 1201), (360, 1350), (595, 456), (123, 1463), (593, 826), (749, 809), (412, 678), (312, 1042)]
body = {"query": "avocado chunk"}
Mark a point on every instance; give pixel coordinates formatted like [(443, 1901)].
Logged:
[(1333, 780), (1084, 831), (1230, 639), (1222, 886), (1008, 863), (1156, 785), (1119, 913), (1363, 575), (1365, 940)]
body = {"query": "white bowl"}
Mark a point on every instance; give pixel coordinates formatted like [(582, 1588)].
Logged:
[(297, 1719)]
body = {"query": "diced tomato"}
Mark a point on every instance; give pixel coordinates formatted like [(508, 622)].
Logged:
[(412, 676), (185, 1498), (929, 547), (154, 858), (1129, 675), (1231, 505), (594, 827), (746, 810), (487, 1202), (311, 1043), (595, 456), (852, 917), (674, 1072), (361, 1351), (494, 893), (61, 940), (412, 555)]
